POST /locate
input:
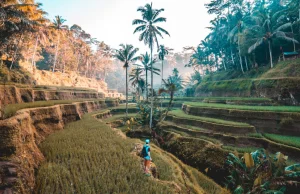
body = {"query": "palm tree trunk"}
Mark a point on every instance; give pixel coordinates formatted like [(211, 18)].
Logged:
[(151, 112), (56, 52), (293, 37), (224, 65), (146, 84), (14, 57), (232, 59), (246, 62), (34, 51), (126, 92), (270, 51), (241, 62), (162, 77)]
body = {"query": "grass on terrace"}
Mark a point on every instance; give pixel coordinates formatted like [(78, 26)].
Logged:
[(243, 107), (11, 109), (181, 114), (187, 99), (88, 157), (240, 149), (287, 140)]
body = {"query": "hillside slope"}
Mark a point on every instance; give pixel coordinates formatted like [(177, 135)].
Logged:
[(25, 74), (282, 83)]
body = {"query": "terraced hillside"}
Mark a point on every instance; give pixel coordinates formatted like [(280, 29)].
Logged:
[(106, 165), (280, 83), (25, 126)]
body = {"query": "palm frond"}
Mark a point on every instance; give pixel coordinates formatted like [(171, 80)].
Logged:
[(139, 29), (163, 30), (284, 26), (161, 19), (138, 21), (255, 45)]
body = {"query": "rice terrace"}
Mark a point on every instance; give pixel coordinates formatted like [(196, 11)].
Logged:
[(150, 97)]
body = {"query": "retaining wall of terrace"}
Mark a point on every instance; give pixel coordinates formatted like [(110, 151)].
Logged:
[(13, 95), (212, 126), (240, 141), (21, 134), (264, 121)]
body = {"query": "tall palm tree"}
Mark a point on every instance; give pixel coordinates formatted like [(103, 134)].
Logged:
[(149, 34), (267, 30), (162, 52), (126, 54), (145, 60), (58, 26)]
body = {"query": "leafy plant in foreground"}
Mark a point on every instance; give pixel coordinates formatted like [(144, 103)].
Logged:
[(257, 172)]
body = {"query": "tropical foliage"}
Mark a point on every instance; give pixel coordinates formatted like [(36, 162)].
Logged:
[(257, 172), (148, 26), (247, 34), (26, 35), (126, 54)]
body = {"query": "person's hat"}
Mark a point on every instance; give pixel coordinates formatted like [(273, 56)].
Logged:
[(147, 141)]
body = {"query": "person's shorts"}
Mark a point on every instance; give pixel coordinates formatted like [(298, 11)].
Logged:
[(147, 162)]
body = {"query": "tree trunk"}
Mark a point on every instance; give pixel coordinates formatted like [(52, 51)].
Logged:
[(14, 57), (34, 51), (126, 92), (241, 62), (270, 51), (232, 59), (294, 38), (87, 67), (78, 61), (146, 84), (152, 93), (162, 77), (246, 62), (56, 52), (224, 65)]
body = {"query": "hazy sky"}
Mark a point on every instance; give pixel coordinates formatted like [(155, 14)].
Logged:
[(110, 20)]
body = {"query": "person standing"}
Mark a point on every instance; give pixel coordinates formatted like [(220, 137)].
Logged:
[(147, 157)]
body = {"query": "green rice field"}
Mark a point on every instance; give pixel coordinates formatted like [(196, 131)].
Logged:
[(181, 114), (243, 107)]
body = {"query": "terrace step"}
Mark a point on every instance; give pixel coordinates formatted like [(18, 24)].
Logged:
[(266, 119), (232, 140), (218, 125)]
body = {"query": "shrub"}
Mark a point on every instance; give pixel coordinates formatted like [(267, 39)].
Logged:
[(257, 172), (286, 122)]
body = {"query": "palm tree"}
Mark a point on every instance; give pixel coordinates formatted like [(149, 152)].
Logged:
[(145, 60), (171, 85), (163, 51), (267, 30), (149, 34), (126, 54), (58, 26), (137, 81)]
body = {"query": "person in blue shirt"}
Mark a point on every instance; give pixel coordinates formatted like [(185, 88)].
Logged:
[(147, 157)]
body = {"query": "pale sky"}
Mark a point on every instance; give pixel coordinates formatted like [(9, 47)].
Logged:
[(111, 20)]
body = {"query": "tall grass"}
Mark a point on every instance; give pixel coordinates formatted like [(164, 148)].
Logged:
[(181, 114), (11, 109), (88, 157), (243, 107), (240, 149), (287, 140)]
